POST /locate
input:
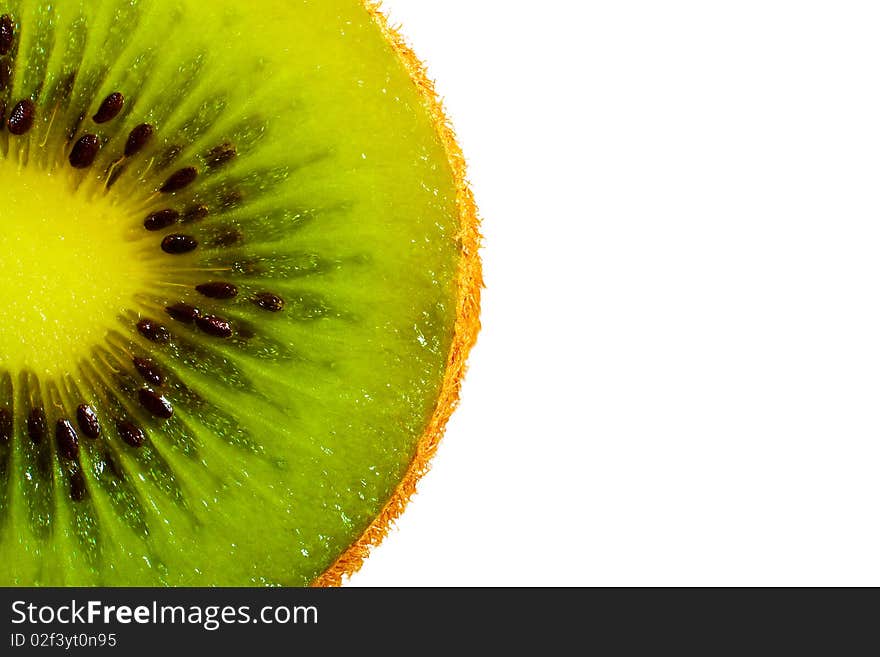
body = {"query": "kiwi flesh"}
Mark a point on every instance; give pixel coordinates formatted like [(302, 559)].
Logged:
[(239, 282)]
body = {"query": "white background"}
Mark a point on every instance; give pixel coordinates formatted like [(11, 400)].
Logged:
[(678, 382)]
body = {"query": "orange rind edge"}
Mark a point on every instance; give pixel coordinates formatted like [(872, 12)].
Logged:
[(467, 322)]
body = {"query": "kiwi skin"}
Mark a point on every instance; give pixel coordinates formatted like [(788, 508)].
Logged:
[(85, 149), (469, 283)]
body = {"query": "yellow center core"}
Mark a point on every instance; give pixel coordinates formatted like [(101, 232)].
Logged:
[(69, 266)]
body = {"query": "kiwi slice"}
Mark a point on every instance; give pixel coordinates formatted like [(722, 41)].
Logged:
[(239, 282)]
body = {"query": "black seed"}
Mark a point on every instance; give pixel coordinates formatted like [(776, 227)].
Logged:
[(155, 403), (227, 239), (66, 438), (216, 326), (195, 213), (268, 301), (218, 290), (161, 219), (153, 331), (7, 34), (22, 117), (85, 151), (130, 433), (78, 488), (179, 244), (5, 426), (138, 138), (5, 75), (183, 312), (110, 108), (219, 155), (149, 370), (179, 180), (36, 425), (88, 421)]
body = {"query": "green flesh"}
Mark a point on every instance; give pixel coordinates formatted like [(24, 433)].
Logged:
[(287, 438)]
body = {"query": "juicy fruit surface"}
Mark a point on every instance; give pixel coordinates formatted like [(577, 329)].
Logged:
[(299, 167)]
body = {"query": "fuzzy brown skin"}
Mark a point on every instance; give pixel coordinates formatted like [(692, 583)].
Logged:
[(467, 322)]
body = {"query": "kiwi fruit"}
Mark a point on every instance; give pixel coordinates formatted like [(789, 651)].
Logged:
[(240, 279)]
